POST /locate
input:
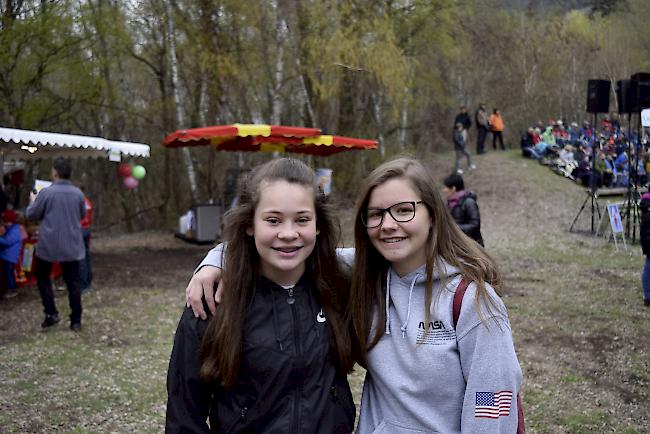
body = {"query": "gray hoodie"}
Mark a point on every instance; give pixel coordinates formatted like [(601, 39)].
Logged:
[(445, 380)]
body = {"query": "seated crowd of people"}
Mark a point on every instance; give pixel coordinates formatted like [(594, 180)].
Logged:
[(568, 151)]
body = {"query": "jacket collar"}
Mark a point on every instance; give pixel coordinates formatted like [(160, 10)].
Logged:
[(267, 284)]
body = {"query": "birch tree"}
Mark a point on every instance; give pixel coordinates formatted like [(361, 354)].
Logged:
[(179, 115)]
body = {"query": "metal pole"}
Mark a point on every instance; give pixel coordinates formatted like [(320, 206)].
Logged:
[(630, 206), (593, 172)]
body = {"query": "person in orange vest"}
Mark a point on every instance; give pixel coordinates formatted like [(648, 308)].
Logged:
[(85, 270), (497, 126)]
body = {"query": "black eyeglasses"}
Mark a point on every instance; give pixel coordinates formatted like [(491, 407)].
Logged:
[(401, 212)]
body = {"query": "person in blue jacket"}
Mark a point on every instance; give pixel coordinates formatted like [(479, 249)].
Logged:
[(10, 243)]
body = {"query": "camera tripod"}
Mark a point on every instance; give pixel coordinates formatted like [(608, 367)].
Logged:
[(592, 191), (595, 207)]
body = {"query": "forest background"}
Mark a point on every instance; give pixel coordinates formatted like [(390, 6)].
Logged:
[(393, 70)]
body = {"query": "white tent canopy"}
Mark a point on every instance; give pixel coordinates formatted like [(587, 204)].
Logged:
[(22, 145)]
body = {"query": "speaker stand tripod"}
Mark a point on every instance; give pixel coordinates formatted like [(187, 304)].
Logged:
[(595, 208), (592, 192)]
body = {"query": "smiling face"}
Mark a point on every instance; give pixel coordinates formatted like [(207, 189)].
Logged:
[(402, 244), (284, 229)]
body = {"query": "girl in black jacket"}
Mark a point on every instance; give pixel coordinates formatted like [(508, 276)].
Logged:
[(275, 357)]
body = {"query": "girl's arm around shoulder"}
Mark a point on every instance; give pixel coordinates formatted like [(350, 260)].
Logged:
[(208, 274), (203, 283), (489, 364), (188, 397), (215, 256)]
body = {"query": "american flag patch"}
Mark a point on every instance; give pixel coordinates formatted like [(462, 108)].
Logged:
[(493, 404)]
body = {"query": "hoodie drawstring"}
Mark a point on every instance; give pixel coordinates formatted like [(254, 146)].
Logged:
[(408, 310), (388, 302), (404, 326)]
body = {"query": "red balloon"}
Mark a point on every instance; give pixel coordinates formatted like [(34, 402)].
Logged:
[(130, 182), (124, 170)]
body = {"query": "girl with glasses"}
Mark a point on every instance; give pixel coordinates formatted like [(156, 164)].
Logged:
[(428, 369)]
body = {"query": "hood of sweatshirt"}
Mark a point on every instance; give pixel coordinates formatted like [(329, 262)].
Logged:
[(404, 286)]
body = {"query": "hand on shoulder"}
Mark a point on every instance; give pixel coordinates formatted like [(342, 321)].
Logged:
[(202, 284)]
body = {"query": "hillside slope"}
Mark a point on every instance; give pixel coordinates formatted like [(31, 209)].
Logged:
[(575, 303)]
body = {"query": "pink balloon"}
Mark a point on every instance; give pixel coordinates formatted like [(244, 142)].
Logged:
[(130, 182)]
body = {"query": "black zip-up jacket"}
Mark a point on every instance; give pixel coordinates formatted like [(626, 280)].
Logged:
[(468, 217), (464, 120), (287, 382)]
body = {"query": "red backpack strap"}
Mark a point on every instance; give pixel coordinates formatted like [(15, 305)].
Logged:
[(458, 299), (521, 426)]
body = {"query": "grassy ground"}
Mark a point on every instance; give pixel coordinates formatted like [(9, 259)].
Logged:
[(110, 377), (575, 305), (580, 329)]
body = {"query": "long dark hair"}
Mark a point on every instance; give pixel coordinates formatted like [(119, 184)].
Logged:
[(222, 343), (445, 242)]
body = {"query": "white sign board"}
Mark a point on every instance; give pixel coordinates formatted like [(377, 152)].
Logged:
[(324, 180), (615, 219), (40, 184), (114, 155), (645, 118)]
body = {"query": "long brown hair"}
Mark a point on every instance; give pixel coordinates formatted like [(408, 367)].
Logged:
[(445, 243), (221, 347)]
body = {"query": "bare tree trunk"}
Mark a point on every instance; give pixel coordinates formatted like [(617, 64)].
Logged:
[(574, 84), (280, 37), (187, 157), (203, 100), (294, 38), (313, 119), (403, 121), (377, 114)]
